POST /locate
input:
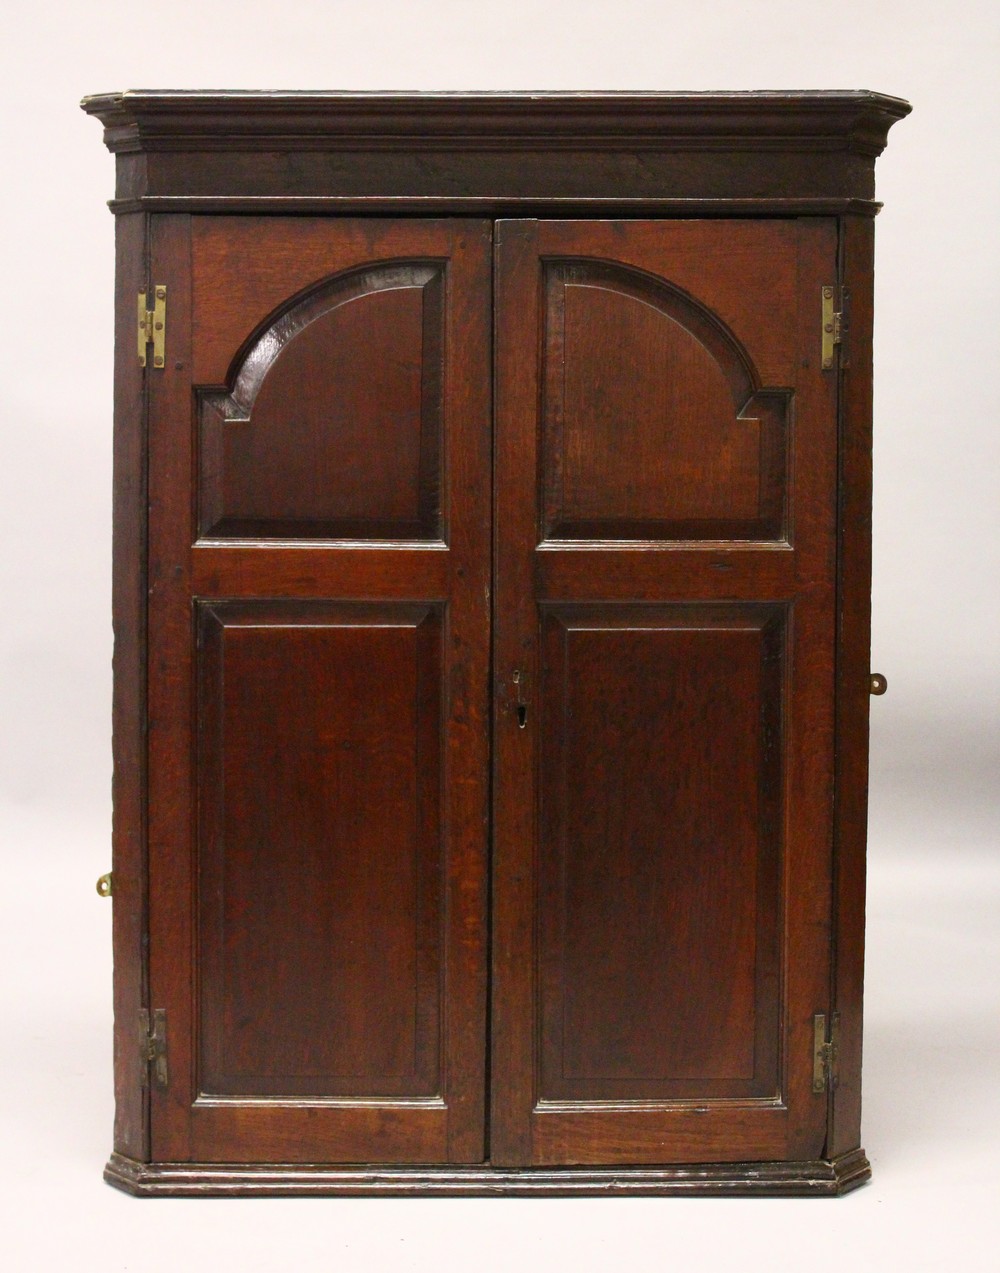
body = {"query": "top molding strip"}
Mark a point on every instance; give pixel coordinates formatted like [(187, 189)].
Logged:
[(153, 120), (497, 154)]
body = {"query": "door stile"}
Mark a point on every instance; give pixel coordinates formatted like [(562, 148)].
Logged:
[(172, 948), (467, 820), (514, 748)]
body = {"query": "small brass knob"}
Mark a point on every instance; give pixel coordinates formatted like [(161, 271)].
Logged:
[(104, 885), (877, 684)]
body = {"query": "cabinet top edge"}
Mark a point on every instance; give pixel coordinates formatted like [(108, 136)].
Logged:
[(146, 120)]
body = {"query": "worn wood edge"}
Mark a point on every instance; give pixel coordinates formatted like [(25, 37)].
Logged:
[(853, 669), (427, 205), (215, 1180), (394, 153), (129, 706), (843, 119)]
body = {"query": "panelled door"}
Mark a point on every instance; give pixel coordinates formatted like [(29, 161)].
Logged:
[(319, 703), (665, 554), (318, 662)]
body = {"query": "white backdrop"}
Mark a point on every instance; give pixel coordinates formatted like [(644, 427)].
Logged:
[(932, 1114)]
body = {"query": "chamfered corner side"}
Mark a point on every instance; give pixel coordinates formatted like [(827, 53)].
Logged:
[(814, 1179)]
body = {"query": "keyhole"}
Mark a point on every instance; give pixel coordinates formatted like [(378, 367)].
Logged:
[(522, 715)]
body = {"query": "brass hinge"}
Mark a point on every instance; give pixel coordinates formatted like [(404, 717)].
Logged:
[(826, 1052), (834, 323), (153, 326), (153, 1044)]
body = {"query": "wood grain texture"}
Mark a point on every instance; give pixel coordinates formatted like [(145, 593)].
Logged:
[(682, 548), (169, 119), (437, 153), (320, 866), (853, 671), (170, 695), (369, 679), (325, 569), (331, 425), (654, 425), (660, 844), (537, 1118), (810, 1179), (128, 602)]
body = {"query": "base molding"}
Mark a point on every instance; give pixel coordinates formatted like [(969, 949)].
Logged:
[(215, 1180)]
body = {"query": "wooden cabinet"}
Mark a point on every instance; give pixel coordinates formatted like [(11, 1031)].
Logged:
[(491, 641)]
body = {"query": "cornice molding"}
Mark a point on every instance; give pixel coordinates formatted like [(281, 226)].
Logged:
[(158, 121)]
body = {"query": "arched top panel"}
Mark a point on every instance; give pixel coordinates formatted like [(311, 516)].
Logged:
[(670, 301), (332, 425), (656, 425), (259, 354)]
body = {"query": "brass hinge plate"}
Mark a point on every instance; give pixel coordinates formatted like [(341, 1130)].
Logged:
[(153, 326), (153, 1044), (826, 1052), (834, 325)]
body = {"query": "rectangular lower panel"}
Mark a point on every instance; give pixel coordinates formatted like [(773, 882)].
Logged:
[(319, 851), (660, 874)]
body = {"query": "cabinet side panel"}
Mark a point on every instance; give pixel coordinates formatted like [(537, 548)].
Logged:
[(128, 589), (853, 670), (168, 687)]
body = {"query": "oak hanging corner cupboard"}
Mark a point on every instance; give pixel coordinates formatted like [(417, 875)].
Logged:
[(491, 607)]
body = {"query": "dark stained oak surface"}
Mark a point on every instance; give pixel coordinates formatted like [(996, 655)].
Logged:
[(653, 424), (320, 901), (332, 426), (129, 722), (491, 606), (853, 678), (661, 845), (662, 823), (329, 725), (496, 153)]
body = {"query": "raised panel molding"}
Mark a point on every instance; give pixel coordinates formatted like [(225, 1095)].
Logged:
[(660, 902), (656, 425), (319, 826), (359, 455)]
